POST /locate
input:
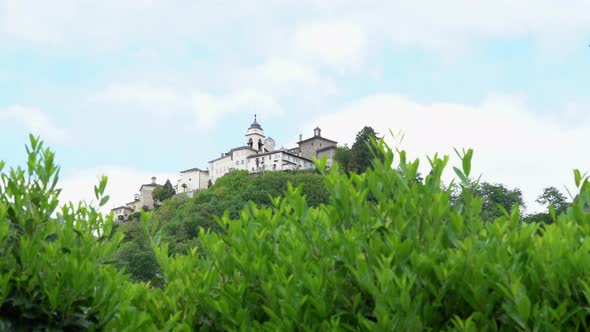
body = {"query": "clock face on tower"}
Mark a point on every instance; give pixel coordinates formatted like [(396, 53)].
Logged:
[(269, 144)]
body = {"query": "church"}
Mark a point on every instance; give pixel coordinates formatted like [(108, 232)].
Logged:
[(259, 154)]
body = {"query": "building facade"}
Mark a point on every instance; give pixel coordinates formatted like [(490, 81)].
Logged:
[(192, 180), (122, 213), (310, 147), (259, 154)]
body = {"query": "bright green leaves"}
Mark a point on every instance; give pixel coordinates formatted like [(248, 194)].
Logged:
[(388, 251), (54, 267), (464, 173)]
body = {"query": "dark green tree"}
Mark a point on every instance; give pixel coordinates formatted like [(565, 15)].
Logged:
[(551, 196), (342, 157), (361, 154), (162, 193), (181, 218), (495, 196)]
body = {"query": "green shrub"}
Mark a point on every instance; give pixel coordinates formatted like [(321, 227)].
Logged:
[(55, 270), (406, 259)]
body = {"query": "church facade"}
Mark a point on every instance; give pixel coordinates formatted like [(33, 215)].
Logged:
[(259, 154)]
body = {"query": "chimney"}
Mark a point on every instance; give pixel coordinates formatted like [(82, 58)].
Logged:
[(153, 180), (300, 137)]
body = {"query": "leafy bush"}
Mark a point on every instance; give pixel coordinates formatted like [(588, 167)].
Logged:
[(406, 259), (55, 270)]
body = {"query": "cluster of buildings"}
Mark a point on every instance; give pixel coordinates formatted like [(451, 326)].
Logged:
[(259, 154)]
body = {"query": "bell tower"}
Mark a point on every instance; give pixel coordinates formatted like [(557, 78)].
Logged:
[(255, 136)]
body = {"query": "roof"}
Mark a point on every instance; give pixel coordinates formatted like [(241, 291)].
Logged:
[(195, 169), (122, 207), (317, 137), (278, 151), (245, 147), (219, 158), (148, 185), (225, 155), (327, 148), (255, 124)]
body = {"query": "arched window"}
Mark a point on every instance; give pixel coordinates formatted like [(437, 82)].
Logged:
[(250, 142)]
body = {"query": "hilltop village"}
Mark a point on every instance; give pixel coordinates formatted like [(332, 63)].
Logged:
[(258, 154)]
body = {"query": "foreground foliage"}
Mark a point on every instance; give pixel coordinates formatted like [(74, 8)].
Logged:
[(386, 252)]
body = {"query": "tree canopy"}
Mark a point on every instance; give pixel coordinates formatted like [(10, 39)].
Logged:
[(181, 218), (162, 193), (361, 155)]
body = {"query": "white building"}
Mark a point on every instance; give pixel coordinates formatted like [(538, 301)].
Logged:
[(122, 213), (280, 160), (259, 154), (192, 180)]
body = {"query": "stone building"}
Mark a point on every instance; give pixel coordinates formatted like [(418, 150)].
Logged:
[(317, 144), (145, 194)]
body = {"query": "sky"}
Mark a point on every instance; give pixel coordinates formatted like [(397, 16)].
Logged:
[(140, 88)]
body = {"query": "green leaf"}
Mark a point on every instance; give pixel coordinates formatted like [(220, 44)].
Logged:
[(460, 174), (577, 177), (467, 162), (104, 200)]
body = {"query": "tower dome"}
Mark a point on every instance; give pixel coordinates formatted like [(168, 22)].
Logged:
[(255, 136), (255, 124)]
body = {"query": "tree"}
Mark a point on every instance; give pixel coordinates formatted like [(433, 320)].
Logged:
[(162, 193), (342, 157), (181, 218), (361, 153), (495, 195), (551, 196)]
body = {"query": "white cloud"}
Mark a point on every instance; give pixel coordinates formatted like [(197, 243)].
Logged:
[(153, 98), (339, 44), (207, 109), (340, 24), (512, 145), (285, 78), (33, 120), (210, 109), (77, 184)]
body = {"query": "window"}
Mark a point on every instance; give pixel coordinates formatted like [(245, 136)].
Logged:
[(237, 162), (242, 161), (274, 167), (269, 157), (189, 179)]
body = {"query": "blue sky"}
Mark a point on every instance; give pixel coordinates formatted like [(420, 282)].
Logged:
[(148, 87)]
